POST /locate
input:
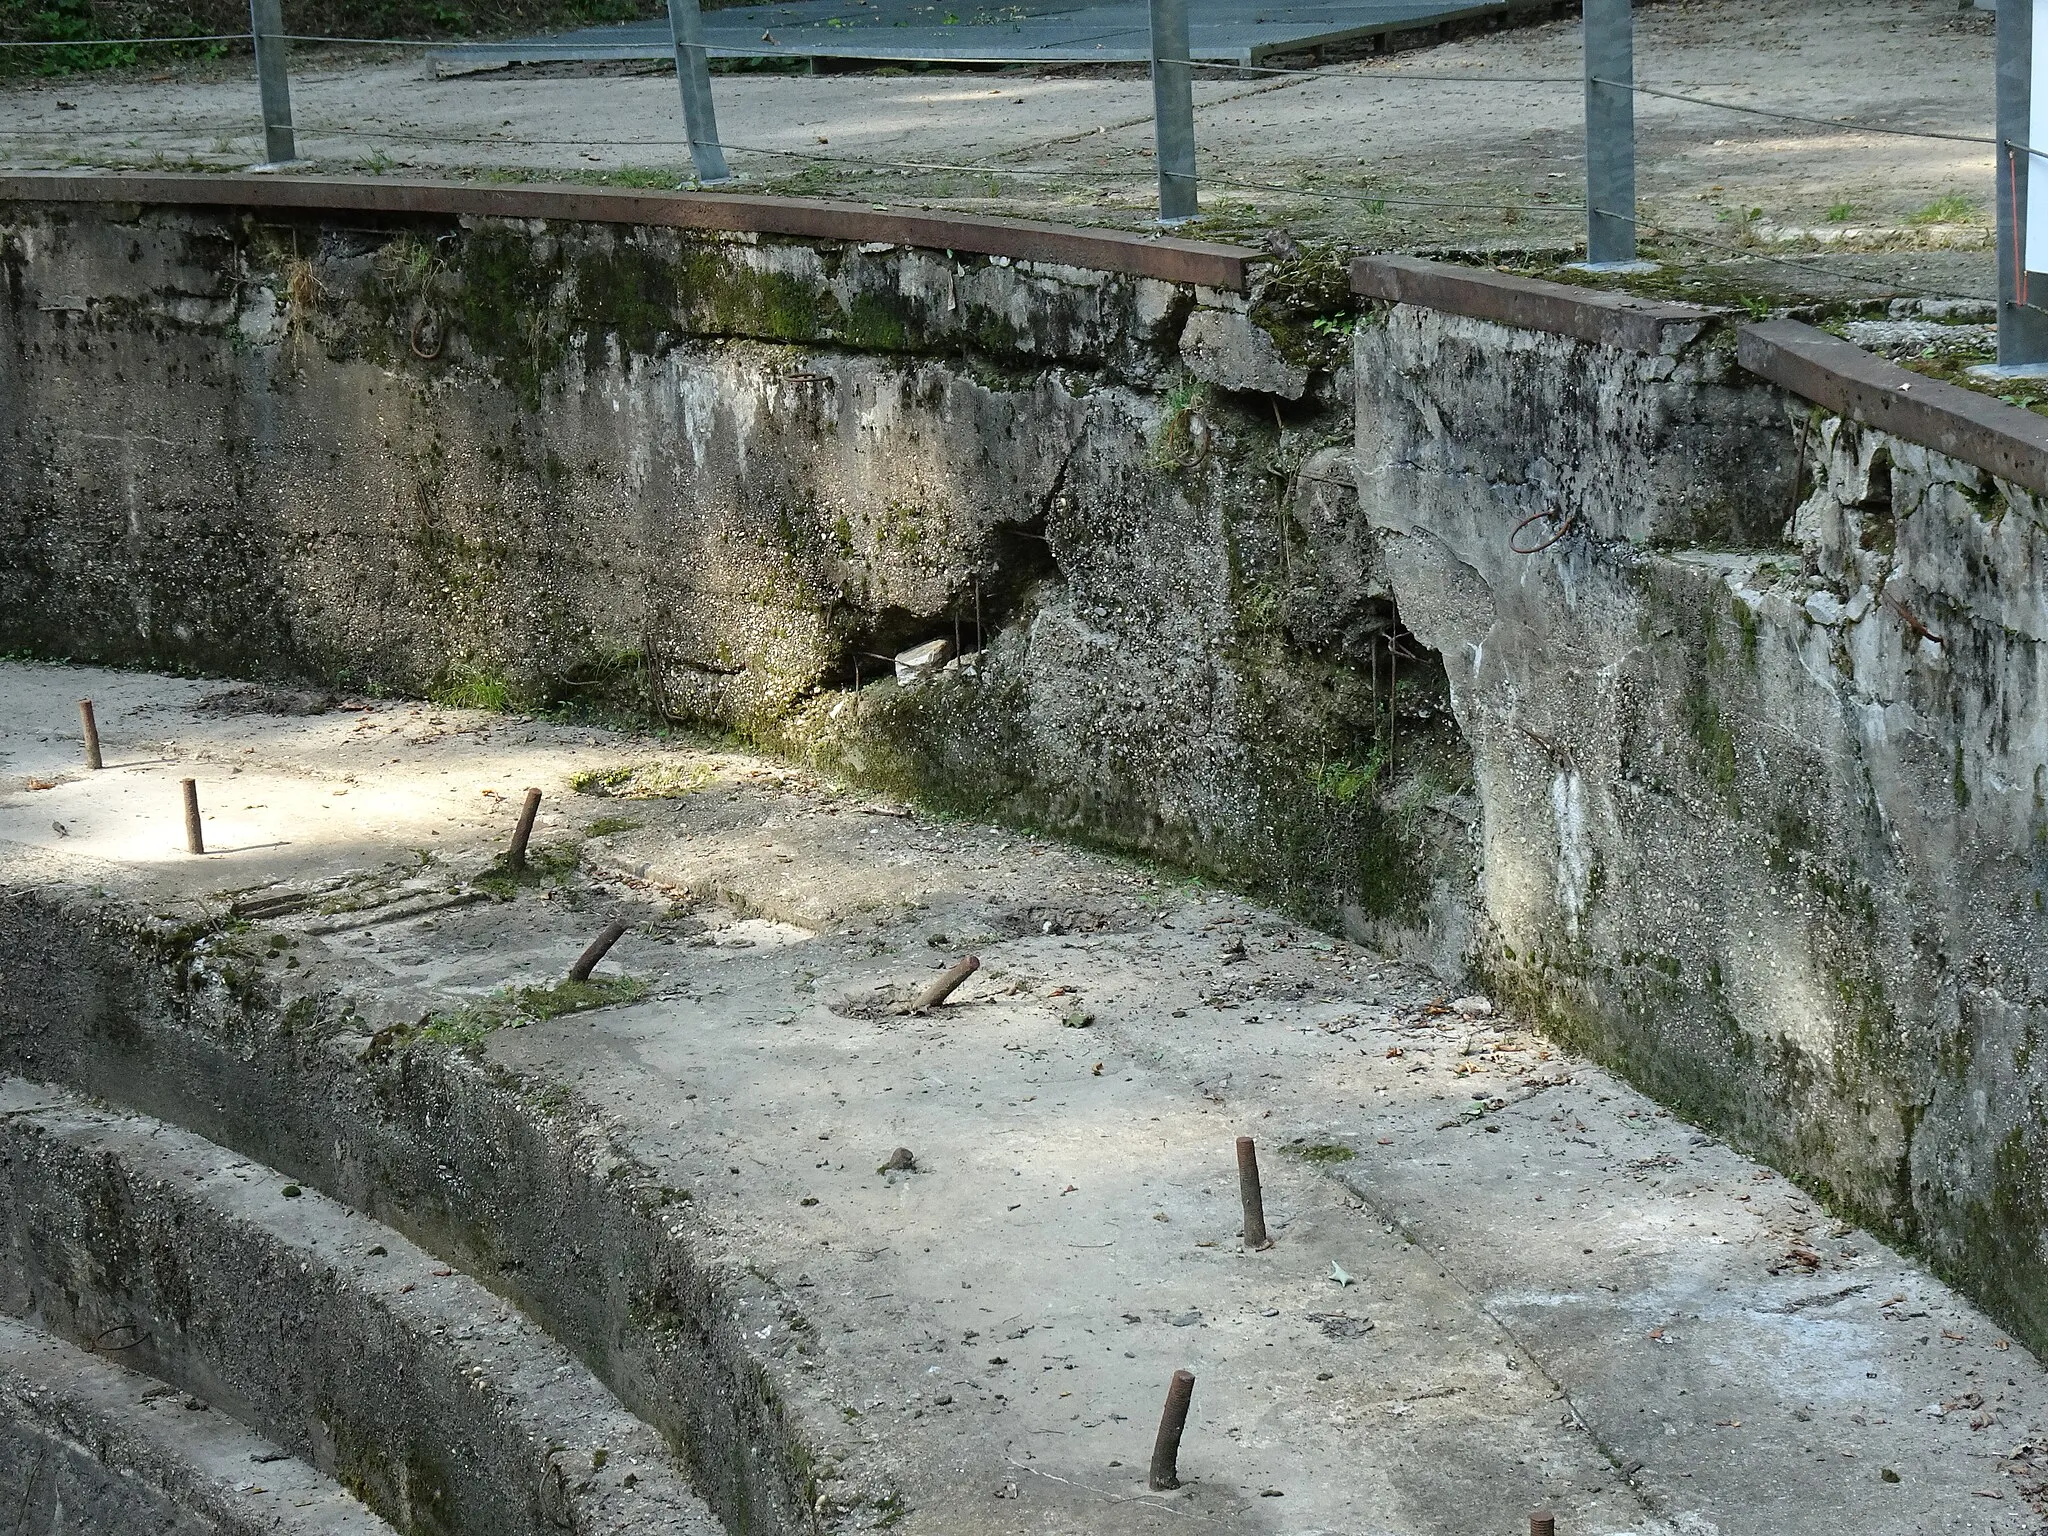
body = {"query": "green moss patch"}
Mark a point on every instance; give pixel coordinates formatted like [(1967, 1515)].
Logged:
[(515, 1007), (642, 781), (544, 866)]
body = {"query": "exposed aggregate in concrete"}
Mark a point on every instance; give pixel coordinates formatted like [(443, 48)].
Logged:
[(89, 1448)]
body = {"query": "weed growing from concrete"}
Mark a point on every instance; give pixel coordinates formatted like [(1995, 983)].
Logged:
[(643, 781), (1950, 208), (544, 866), (516, 1007)]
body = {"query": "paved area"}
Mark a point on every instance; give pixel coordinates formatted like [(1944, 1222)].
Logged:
[(1476, 143), (1501, 1279), (1033, 32)]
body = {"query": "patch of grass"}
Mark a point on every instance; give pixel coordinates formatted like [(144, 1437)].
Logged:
[(605, 826), (1175, 447), (1346, 782), (515, 1007), (1840, 213), (1950, 208), (643, 781), (1322, 1153), (467, 687)]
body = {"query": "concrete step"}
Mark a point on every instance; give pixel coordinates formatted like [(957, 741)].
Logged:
[(321, 1330), (89, 1448)]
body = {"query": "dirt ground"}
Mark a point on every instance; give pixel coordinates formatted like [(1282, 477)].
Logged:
[(1475, 143), (1502, 1279)]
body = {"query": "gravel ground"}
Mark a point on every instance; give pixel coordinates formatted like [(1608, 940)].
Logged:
[(1474, 143)]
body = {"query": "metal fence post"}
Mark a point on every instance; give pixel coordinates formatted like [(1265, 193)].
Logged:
[(1173, 110), (1610, 133), (2022, 330), (693, 75), (274, 85)]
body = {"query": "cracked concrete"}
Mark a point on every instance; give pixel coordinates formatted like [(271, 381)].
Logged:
[(1501, 1279)]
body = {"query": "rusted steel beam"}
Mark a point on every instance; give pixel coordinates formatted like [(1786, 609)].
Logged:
[(2009, 442), (1101, 250), (1586, 314)]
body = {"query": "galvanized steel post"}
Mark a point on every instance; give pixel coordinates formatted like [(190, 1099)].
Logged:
[(1610, 132), (1173, 110), (2022, 329), (693, 75), (274, 86)]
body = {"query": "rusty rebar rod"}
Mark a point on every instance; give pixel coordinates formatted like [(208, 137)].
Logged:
[(1254, 1198), (91, 728), (195, 837), (587, 961), (1543, 1523), (1165, 1471), (515, 856), (945, 984)]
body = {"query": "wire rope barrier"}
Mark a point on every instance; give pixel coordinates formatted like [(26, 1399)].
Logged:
[(1358, 74)]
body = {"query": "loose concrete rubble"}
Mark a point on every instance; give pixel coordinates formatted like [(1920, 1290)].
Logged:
[(1226, 349), (935, 1270)]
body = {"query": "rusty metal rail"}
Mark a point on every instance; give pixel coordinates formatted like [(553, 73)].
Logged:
[(1102, 250)]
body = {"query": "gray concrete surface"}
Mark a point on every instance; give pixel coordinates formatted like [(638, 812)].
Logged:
[(1743, 802), (88, 1448), (316, 1327), (1572, 1297), (1477, 142), (1041, 31)]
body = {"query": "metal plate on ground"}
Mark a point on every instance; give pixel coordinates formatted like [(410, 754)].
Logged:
[(1034, 31)]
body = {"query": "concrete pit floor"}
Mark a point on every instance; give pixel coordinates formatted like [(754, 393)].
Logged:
[(1501, 1279), (1478, 142)]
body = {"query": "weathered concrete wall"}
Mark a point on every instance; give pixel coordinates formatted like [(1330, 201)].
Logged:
[(1764, 815), (723, 480), (1759, 751)]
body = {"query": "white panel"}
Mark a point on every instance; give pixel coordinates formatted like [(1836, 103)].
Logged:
[(2037, 140)]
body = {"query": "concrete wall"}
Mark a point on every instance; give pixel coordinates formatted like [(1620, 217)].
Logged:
[(1761, 761), (722, 479), (1738, 784)]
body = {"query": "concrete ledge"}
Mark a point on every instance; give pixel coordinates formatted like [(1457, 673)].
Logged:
[(1588, 314), (88, 1446), (395, 1375), (1173, 261), (2009, 442)]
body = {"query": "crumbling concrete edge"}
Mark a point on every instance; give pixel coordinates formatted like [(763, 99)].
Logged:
[(1200, 262), (1586, 314), (2006, 440), (328, 1333), (75, 1428)]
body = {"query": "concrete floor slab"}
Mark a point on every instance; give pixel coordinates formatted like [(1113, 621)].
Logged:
[(1037, 32), (1502, 1279)]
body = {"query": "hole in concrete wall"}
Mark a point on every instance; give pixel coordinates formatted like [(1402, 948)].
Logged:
[(1011, 561), (1877, 523)]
